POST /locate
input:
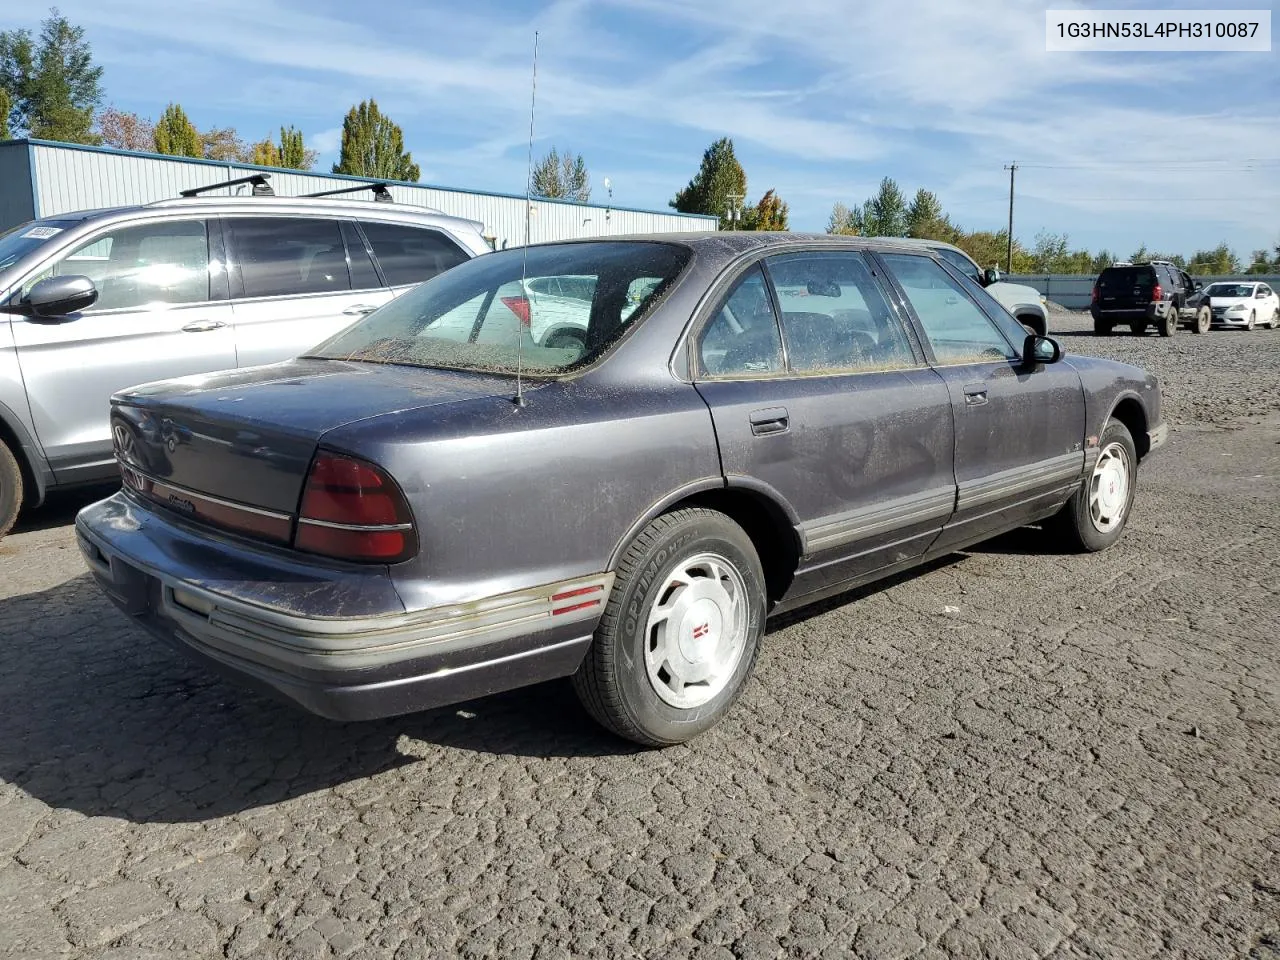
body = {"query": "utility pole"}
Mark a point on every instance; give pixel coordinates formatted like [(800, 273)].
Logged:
[(1008, 263)]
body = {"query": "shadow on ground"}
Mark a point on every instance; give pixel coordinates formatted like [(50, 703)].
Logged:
[(61, 507), (103, 719)]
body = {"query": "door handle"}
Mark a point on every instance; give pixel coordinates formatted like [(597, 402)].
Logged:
[(200, 326), (358, 310), (975, 394), (769, 420)]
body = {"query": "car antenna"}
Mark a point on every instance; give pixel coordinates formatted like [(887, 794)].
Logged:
[(524, 256)]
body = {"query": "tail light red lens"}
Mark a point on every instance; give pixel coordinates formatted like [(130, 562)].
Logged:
[(352, 510), (1157, 292), (1093, 298), (520, 307)]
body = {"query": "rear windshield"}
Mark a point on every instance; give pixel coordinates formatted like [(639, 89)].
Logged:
[(18, 242), (546, 310), (1120, 278), (1229, 290)]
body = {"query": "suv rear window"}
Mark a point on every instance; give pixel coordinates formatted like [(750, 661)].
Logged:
[(487, 315), (1127, 278)]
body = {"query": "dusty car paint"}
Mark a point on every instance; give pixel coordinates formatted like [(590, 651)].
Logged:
[(870, 473)]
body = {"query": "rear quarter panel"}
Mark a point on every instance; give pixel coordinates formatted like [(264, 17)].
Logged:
[(1106, 384), (508, 496)]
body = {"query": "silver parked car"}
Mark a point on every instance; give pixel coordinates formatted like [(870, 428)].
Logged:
[(93, 302)]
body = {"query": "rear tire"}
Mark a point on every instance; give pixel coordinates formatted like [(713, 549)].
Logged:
[(1204, 317), (680, 633), (1097, 513), (10, 489), (1101, 328), (1138, 328), (1167, 325)]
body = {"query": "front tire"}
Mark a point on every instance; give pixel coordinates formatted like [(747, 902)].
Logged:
[(680, 633), (10, 489), (1253, 321), (1097, 513)]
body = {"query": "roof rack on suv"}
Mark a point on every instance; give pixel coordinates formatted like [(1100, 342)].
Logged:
[(259, 180), (380, 192), (1167, 263)]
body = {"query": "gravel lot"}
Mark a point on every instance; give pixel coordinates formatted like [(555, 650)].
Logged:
[(1083, 761)]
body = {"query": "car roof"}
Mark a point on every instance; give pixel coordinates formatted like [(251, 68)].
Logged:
[(732, 243), (284, 206)]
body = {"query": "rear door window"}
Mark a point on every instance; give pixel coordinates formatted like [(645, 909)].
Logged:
[(411, 254), (834, 317), (289, 256)]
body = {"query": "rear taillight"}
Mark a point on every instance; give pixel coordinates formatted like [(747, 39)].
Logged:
[(1157, 292), (520, 307), (1094, 297), (352, 510)]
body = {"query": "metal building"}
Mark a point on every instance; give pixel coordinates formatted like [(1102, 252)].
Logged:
[(39, 178)]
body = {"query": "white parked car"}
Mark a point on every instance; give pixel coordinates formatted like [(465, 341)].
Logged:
[(1242, 304)]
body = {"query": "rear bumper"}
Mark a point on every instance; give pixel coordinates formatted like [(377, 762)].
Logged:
[(345, 668)]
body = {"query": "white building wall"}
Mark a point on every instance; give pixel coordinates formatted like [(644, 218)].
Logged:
[(70, 178)]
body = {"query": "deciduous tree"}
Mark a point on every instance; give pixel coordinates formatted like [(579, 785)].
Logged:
[(126, 131), (771, 213), (373, 146), (223, 143), (52, 84)]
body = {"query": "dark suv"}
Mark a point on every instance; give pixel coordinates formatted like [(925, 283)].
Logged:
[(1147, 293)]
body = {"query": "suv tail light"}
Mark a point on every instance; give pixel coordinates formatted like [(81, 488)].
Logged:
[(352, 510), (520, 307), (1093, 297), (1157, 292)]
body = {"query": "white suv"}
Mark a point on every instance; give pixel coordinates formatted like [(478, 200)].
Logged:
[(1025, 303), (93, 302)]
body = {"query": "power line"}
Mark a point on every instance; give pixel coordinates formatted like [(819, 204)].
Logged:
[(1181, 163)]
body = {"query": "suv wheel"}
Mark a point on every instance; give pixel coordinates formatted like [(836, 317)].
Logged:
[(1139, 327), (1204, 317), (1101, 328), (680, 633), (10, 489), (1168, 324)]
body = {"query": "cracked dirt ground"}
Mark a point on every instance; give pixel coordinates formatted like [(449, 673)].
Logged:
[(1083, 761)]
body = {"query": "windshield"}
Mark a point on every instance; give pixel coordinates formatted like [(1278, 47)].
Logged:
[(479, 316), (1229, 290), (18, 242)]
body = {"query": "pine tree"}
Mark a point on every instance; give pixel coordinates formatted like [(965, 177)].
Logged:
[(176, 136), (373, 146), (719, 185), (563, 177), (52, 85), (294, 154)]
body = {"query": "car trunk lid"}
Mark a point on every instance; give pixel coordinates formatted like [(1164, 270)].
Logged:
[(243, 440)]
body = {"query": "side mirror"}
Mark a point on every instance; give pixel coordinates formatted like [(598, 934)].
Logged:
[(1037, 350), (59, 296), (1199, 285), (989, 276)]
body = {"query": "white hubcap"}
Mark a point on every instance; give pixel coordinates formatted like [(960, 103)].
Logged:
[(696, 631), (1109, 488)]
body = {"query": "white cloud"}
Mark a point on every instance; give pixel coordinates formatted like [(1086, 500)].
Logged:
[(326, 141)]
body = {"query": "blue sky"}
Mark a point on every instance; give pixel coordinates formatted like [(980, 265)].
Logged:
[(822, 99)]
